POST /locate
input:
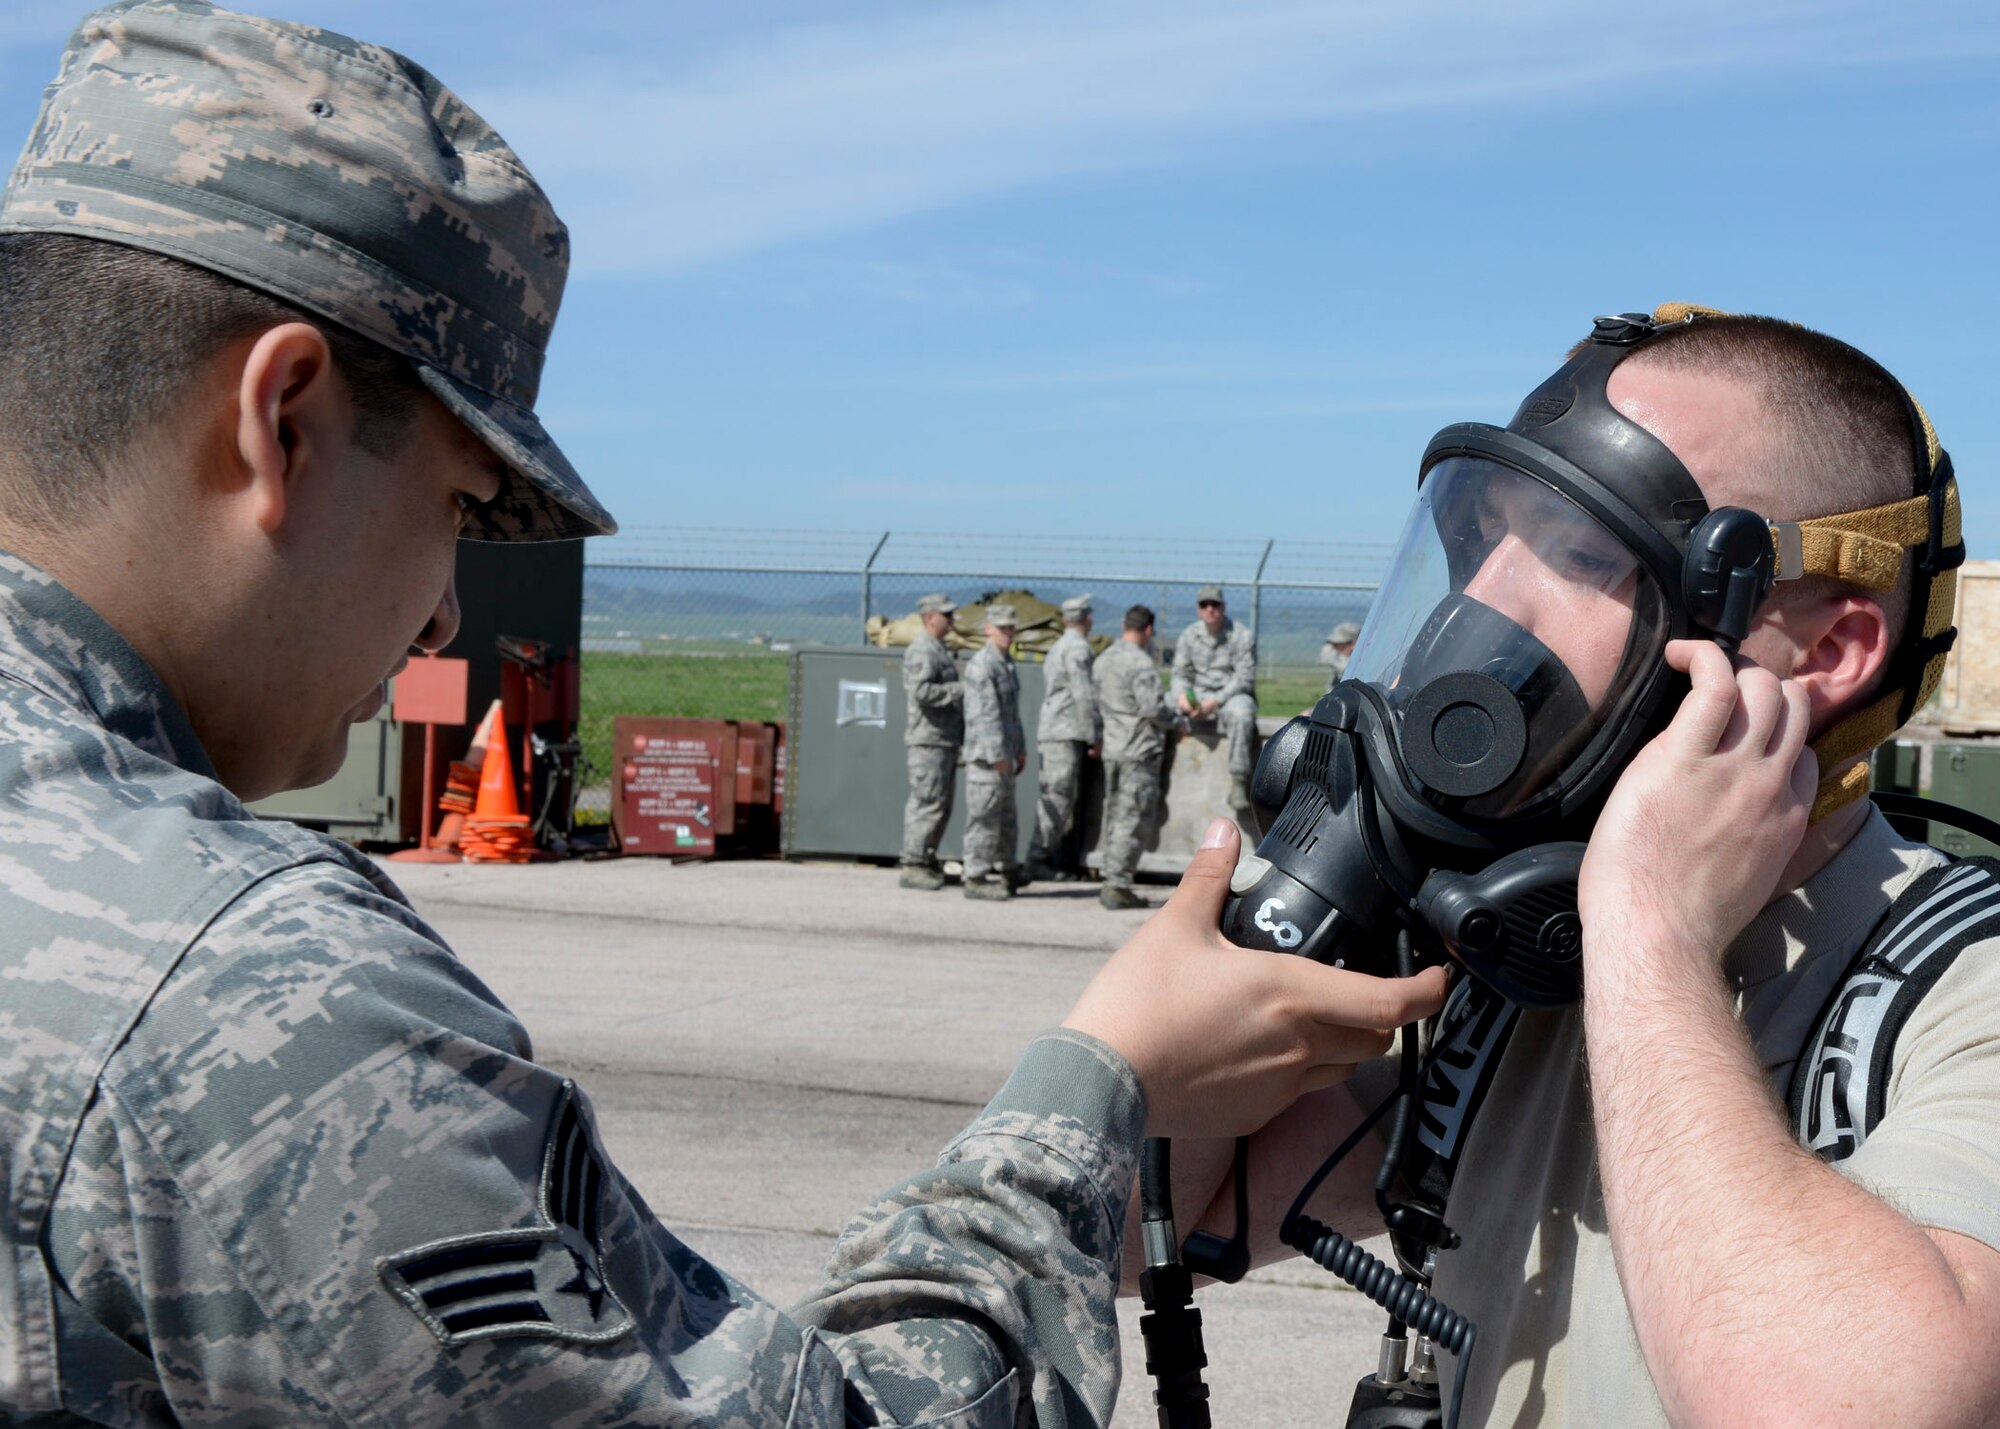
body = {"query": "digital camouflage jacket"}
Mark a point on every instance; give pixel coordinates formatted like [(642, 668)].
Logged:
[(935, 693), (992, 708), (271, 1154), (1133, 706), (1069, 701), (1216, 667)]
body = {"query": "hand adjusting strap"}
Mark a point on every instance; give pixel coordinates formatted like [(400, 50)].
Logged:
[(1865, 548)]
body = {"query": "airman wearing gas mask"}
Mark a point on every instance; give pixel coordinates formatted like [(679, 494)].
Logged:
[(1667, 609)]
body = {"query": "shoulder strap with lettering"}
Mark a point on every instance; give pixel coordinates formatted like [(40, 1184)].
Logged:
[(1472, 1033), (1841, 1085)]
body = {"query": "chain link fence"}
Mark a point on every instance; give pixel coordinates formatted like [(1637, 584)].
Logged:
[(699, 623)]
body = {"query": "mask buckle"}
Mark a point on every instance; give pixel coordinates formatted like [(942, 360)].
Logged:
[(1790, 546), (1623, 329)]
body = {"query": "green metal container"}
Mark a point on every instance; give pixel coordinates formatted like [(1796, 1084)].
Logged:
[(1967, 775)]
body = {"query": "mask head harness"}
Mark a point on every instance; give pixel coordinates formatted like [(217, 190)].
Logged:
[(1713, 567)]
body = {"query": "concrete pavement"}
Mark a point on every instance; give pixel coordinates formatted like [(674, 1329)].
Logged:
[(769, 1045)]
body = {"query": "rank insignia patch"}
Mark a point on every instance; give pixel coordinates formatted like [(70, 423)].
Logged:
[(545, 1280)]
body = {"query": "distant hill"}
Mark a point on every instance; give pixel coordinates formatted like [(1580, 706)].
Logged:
[(822, 608), (673, 593)]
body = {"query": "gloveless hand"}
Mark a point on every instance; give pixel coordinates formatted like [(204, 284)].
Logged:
[(1700, 826), (1224, 1038)]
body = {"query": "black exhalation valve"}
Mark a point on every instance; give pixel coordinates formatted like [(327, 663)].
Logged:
[(1514, 924)]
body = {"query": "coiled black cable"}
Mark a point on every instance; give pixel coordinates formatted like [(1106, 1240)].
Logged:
[(1407, 1302), (1389, 1288)]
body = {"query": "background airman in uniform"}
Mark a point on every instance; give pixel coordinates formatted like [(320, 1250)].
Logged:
[(1338, 650), (1136, 718), (1215, 677), (995, 753), (931, 741), (1069, 731)]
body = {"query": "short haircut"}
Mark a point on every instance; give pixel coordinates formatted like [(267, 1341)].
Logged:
[(98, 340), (1839, 437), (1139, 617)]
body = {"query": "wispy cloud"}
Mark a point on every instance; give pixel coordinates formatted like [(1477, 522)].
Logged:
[(809, 131), (1221, 368), (936, 285), (940, 493)]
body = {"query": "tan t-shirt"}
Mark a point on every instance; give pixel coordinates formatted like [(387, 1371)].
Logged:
[(1535, 1273)]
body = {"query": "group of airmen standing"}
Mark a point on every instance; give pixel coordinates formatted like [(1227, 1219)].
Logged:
[(1110, 706)]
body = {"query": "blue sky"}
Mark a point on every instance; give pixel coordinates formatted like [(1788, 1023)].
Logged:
[(1186, 270)]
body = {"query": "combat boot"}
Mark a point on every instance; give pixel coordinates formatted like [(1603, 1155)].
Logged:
[(929, 880), (992, 889), (1239, 792), (1119, 899), (1036, 872)]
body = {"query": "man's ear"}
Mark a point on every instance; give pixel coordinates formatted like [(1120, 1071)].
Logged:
[(290, 407), (1843, 643)]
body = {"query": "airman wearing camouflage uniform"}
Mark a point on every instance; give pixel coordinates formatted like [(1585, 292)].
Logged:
[(1338, 650), (1215, 677), (931, 740), (1136, 717), (995, 754), (269, 1153), (1069, 730)]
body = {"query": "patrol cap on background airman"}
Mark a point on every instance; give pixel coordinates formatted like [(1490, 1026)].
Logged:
[(1001, 616), (1208, 592), (337, 176), (1076, 607), (935, 605), (1345, 633)]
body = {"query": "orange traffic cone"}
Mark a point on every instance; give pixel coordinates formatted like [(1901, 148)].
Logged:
[(497, 832)]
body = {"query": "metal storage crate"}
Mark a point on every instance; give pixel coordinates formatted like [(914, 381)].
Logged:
[(1967, 775), (360, 802), (846, 779)]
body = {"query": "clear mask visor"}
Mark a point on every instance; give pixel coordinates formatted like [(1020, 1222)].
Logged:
[(1499, 575)]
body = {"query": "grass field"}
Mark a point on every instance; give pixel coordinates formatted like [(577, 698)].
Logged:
[(695, 686), (1287, 691)]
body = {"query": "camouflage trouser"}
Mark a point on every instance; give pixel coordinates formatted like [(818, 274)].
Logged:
[(1131, 790), (990, 830), (1061, 774), (1237, 719), (933, 768)]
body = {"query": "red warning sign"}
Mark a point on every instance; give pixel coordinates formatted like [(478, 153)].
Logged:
[(668, 796)]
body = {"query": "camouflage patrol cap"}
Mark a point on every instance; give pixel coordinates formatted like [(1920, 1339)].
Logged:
[(1000, 615), (1345, 633), (1076, 606), (337, 176), (1208, 592), (935, 605)]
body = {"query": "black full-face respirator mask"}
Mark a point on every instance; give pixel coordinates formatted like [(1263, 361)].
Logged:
[(1433, 805), (1511, 667)]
